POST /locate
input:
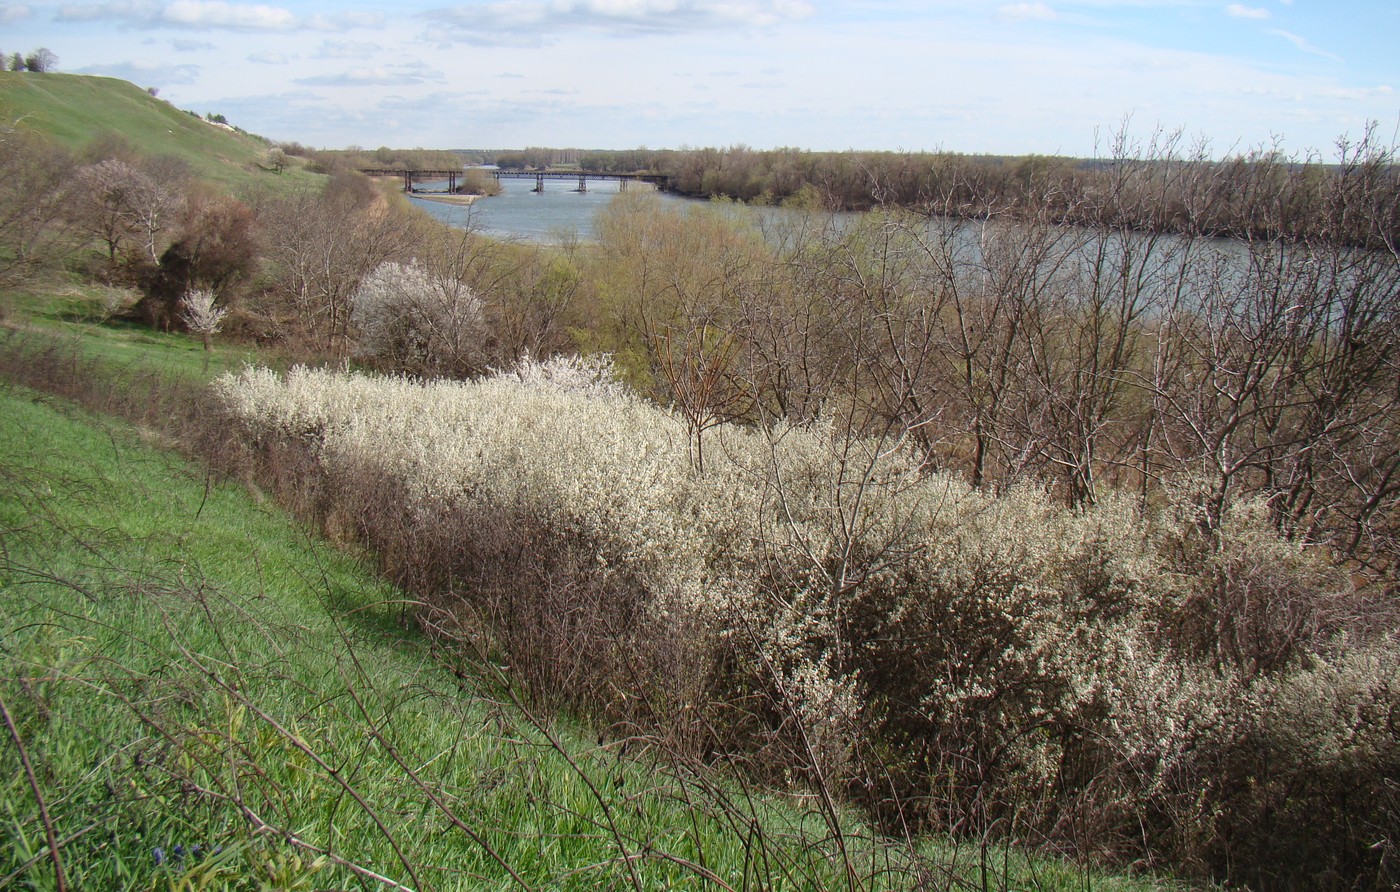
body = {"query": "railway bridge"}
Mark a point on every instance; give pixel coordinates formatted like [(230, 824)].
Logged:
[(452, 177)]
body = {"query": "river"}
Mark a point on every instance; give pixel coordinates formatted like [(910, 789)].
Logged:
[(521, 213)]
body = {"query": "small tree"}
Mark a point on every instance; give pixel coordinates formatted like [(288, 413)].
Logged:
[(16, 62), (202, 317), (277, 159), (41, 60)]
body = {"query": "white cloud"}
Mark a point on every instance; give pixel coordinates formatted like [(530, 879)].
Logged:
[(1361, 93), (132, 11), (1303, 45), (1023, 12), (344, 21), (377, 76), (233, 16), (1240, 11), (11, 14), (212, 15), (268, 58), (346, 49), (147, 72), (186, 45), (516, 19)]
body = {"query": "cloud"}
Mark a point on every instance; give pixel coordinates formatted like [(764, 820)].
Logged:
[(268, 58), (1026, 12), (231, 16), (1361, 93), (1240, 11), (346, 49), (377, 76), (11, 14), (186, 45), (517, 20), (89, 12), (1303, 45), (211, 15), (344, 21)]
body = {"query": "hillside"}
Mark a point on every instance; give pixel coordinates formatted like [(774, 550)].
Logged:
[(76, 110)]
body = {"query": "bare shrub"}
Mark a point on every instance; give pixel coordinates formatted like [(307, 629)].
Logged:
[(32, 203), (320, 245)]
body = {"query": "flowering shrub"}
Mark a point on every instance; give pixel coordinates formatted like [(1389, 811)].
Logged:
[(836, 612), (414, 321)]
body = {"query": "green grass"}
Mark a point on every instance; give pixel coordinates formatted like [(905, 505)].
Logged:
[(182, 665), (74, 315), (75, 110)]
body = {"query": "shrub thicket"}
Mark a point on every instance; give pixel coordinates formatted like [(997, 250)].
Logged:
[(823, 606)]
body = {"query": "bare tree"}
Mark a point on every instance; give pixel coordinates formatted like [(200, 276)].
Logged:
[(41, 60), (124, 207), (32, 195), (322, 244)]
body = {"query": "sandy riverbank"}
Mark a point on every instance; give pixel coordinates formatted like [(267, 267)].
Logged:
[(445, 198)]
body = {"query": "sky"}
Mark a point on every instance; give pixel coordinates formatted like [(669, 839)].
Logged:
[(1039, 76)]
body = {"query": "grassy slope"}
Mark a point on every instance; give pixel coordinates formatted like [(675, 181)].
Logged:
[(175, 652), (75, 110), (181, 662), (71, 314)]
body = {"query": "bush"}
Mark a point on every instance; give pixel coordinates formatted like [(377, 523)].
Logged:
[(828, 610), (412, 321)]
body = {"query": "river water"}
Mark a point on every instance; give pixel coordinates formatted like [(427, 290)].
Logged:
[(521, 213)]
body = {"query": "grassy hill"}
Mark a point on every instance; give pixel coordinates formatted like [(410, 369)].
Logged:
[(76, 110)]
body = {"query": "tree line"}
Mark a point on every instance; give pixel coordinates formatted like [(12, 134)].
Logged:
[(1259, 193), (39, 61)]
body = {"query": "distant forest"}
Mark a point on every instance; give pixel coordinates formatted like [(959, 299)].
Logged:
[(1163, 185)]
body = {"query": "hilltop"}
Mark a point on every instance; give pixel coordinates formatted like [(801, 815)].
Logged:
[(77, 110)]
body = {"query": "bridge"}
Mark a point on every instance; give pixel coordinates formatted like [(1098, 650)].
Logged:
[(660, 181), (410, 177)]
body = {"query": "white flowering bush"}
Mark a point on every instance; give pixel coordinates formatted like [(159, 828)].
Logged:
[(408, 319), (594, 375), (842, 615)]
